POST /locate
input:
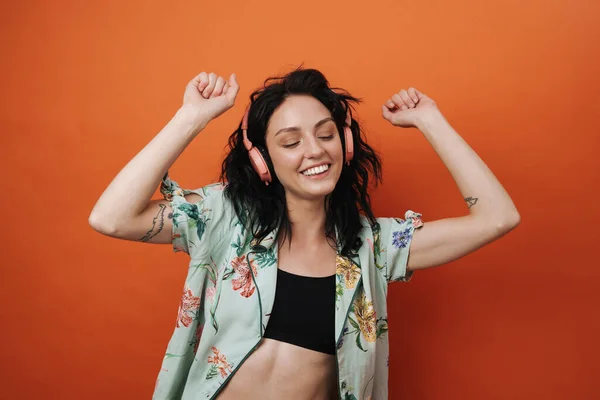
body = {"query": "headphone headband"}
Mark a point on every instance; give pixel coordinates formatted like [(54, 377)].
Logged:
[(247, 143)]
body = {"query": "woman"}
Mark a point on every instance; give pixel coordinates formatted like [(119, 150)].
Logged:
[(286, 292)]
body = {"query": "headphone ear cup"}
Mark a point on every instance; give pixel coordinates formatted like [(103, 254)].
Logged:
[(265, 155), (261, 163), (349, 141)]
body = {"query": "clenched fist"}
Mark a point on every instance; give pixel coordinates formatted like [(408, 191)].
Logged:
[(207, 95), (407, 107)]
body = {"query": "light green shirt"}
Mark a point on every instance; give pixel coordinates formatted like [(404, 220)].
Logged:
[(230, 288)]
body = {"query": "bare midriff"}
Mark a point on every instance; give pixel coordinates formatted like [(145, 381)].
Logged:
[(278, 370)]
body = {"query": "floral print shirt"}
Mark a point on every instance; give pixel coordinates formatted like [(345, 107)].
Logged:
[(230, 288)]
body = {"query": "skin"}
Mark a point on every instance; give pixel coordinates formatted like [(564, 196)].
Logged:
[(300, 135), (125, 210)]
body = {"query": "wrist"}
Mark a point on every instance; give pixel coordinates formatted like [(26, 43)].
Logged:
[(190, 116), (430, 121)]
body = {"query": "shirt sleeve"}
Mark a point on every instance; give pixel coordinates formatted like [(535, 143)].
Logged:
[(392, 240), (194, 223)]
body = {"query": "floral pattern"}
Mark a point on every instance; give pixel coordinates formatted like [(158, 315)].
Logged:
[(242, 244), (267, 258), (366, 316), (401, 239), (224, 252), (243, 280), (377, 247), (196, 218), (187, 305), (219, 364), (197, 337), (347, 392), (210, 293), (365, 322), (415, 219), (348, 270)]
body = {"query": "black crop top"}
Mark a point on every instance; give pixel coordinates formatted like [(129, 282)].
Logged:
[(304, 312)]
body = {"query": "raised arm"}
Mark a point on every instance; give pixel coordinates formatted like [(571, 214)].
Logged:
[(492, 213), (125, 209)]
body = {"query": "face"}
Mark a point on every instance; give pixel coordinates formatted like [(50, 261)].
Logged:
[(305, 147)]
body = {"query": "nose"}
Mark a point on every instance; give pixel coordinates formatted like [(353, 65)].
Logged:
[(313, 148)]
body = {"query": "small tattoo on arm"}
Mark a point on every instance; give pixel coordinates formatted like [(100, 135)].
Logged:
[(160, 218), (471, 201)]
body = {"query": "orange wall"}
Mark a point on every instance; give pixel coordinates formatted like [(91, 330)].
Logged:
[(85, 85)]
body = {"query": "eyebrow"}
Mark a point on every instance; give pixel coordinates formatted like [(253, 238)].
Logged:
[(296, 129)]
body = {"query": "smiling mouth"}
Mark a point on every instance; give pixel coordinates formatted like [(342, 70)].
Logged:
[(316, 170)]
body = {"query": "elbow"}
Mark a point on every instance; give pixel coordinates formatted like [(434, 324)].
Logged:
[(101, 225), (509, 222)]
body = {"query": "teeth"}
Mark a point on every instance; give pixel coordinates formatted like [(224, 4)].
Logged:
[(316, 170)]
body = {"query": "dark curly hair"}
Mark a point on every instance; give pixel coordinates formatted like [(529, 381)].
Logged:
[(262, 208)]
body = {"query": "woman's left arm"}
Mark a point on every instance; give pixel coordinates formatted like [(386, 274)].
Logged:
[(492, 213)]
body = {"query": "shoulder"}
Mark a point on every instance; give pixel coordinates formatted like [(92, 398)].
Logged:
[(201, 204), (205, 193), (411, 218), (211, 194), (213, 200), (386, 229), (368, 232)]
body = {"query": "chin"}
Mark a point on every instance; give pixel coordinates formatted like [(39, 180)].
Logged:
[(318, 193)]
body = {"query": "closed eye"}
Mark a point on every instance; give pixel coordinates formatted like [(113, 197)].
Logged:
[(295, 144), (328, 137)]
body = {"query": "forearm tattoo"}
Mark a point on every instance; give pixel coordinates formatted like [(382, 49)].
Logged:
[(158, 219), (471, 201)]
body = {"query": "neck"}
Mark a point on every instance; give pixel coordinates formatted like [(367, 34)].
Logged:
[(307, 218)]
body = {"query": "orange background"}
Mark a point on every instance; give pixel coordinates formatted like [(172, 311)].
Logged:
[(87, 84)]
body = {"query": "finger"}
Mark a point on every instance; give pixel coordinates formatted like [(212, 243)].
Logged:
[(196, 80), (390, 104), (412, 92), (200, 81), (212, 80), (409, 102), (204, 81), (225, 87), (233, 88), (387, 114), (218, 87), (399, 102)]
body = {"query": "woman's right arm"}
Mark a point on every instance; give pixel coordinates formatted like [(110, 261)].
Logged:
[(125, 209)]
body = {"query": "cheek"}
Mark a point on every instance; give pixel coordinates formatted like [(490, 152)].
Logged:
[(284, 161), (334, 148)]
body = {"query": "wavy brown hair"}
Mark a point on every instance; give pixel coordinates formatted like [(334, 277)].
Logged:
[(263, 208)]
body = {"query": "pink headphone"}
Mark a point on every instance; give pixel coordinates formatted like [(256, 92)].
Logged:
[(259, 156)]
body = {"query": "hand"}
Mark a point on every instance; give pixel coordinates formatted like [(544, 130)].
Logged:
[(207, 95), (407, 108)]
